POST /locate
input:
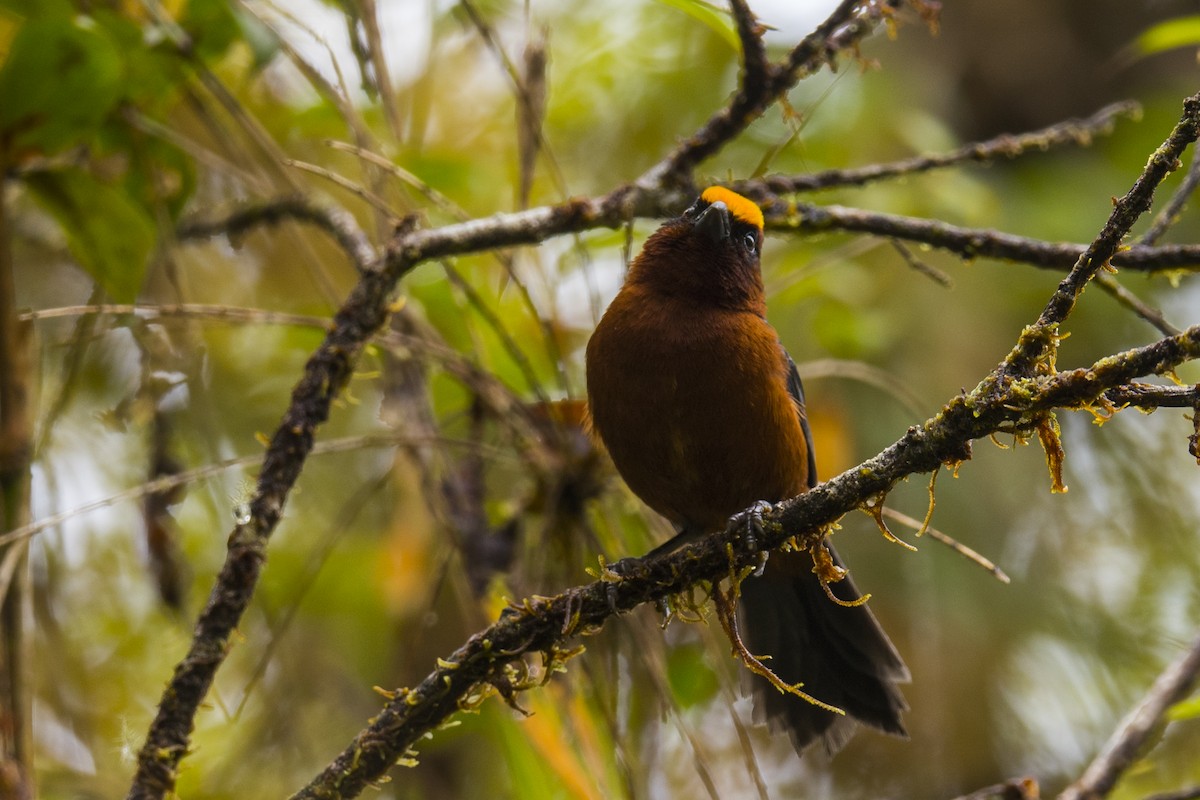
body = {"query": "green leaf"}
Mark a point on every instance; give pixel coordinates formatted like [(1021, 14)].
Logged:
[(108, 234), (153, 72), (161, 172), (212, 26), (1169, 35), (1184, 710), (59, 82), (720, 22)]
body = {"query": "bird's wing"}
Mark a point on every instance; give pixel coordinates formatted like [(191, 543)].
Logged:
[(796, 390)]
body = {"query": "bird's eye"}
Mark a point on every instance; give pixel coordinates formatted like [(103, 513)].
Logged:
[(692, 209), (750, 242)]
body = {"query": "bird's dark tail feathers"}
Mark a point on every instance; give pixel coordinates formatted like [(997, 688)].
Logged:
[(840, 654)]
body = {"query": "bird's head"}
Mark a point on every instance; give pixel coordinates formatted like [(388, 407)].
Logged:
[(710, 253)]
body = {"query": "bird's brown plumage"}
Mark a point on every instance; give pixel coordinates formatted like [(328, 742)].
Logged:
[(702, 412)]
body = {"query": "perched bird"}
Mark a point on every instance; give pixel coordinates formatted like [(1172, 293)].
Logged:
[(702, 411)]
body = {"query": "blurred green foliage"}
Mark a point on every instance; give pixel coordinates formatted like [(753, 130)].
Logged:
[(119, 118)]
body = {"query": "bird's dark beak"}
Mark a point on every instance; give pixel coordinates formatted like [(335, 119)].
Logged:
[(714, 222)]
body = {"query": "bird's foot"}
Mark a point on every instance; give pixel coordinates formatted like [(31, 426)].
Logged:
[(621, 568), (751, 523), (612, 574)]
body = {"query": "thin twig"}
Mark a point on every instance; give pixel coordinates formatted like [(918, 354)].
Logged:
[(944, 538), (496, 323), (428, 192), (1135, 304), (520, 89), (369, 17), (867, 374), (362, 192), (1170, 212), (847, 25), (165, 484), (337, 222), (1006, 146), (1185, 794), (202, 310), (1039, 339), (338, 95), (910, 258)]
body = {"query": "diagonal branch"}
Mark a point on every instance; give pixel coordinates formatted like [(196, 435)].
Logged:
[(848, 25), (1119, 753), (1039, 340)]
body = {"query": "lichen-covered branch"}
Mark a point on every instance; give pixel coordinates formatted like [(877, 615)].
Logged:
[(1039, 340), (1151, 396)]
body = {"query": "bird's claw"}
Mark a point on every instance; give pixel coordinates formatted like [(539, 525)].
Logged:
[(751, 523), (621, 568), (612, 574)]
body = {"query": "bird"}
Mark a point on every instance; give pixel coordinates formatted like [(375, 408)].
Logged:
[(701, 409)]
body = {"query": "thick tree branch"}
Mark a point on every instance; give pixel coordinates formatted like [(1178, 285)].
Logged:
[(969, 243), (756, 67)]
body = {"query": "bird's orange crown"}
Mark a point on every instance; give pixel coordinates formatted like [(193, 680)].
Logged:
[(741, 208)]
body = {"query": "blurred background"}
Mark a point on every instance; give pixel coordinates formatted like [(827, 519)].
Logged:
[(449, 479)]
